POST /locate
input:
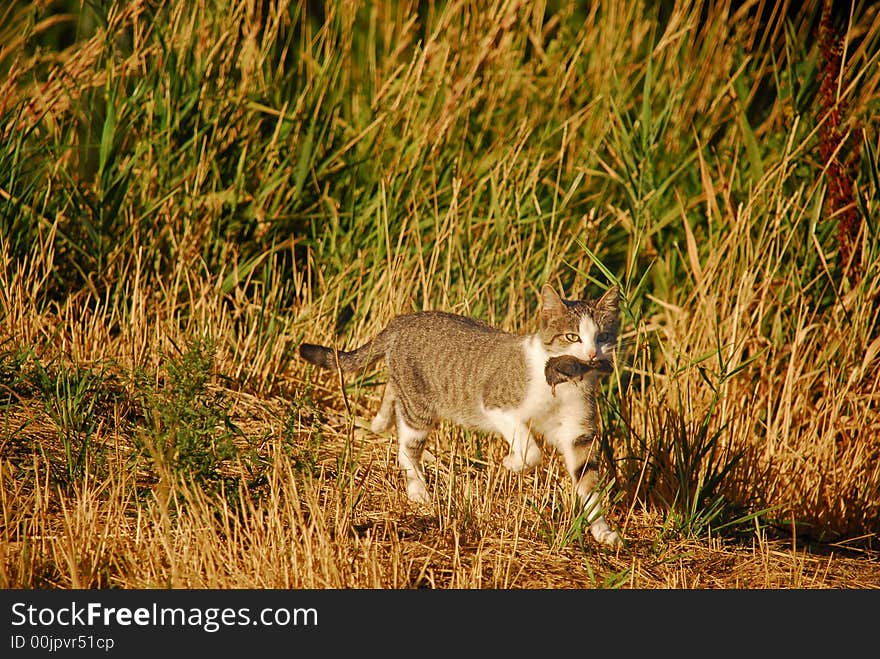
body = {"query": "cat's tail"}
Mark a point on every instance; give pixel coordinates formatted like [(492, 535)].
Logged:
[(353, 360)]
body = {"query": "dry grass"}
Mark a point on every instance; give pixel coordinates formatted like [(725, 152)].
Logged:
[(341, 526)]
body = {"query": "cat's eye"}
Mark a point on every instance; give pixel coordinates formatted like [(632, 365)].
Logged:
[(571, 337), (602, 337)]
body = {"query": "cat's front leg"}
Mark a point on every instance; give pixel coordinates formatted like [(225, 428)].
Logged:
[(525, 454), (582, 464)]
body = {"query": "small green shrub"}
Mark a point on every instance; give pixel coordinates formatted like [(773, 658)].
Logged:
[(188, 432)]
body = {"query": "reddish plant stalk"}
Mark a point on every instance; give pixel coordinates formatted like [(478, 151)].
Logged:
[(840, 200)]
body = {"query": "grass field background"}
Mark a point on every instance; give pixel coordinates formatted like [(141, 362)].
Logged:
[(190, 190)]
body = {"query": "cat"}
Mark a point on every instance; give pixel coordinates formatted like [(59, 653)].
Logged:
[(443, 366)]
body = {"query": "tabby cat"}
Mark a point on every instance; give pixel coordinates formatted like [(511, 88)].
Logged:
[(443, 366)]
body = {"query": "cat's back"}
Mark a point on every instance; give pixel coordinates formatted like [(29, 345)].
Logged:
[(459, 364), (442, 335), (440, 324)]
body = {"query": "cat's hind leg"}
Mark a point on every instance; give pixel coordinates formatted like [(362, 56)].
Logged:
[(411, 445), (385, 416), (581, 462)]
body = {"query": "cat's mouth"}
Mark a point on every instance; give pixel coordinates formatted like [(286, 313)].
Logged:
[(566, 368)]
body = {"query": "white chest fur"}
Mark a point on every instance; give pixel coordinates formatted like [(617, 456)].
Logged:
[(553, 414)]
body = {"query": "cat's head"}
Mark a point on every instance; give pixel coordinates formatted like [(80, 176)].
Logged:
[(584, 329)]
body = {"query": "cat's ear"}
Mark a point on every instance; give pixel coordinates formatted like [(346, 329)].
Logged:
[(610, 301), (551, 303)]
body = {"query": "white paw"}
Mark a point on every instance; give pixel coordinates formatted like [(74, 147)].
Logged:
[(603, 534), (513, 462), (417, 492), (516, 464), (380, 424)]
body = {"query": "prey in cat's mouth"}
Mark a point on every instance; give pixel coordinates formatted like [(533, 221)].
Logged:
[(566, 368)]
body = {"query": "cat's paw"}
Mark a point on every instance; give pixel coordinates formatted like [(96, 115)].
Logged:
[(603, 533), (380, 424), (516, 464), (417, 492)]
